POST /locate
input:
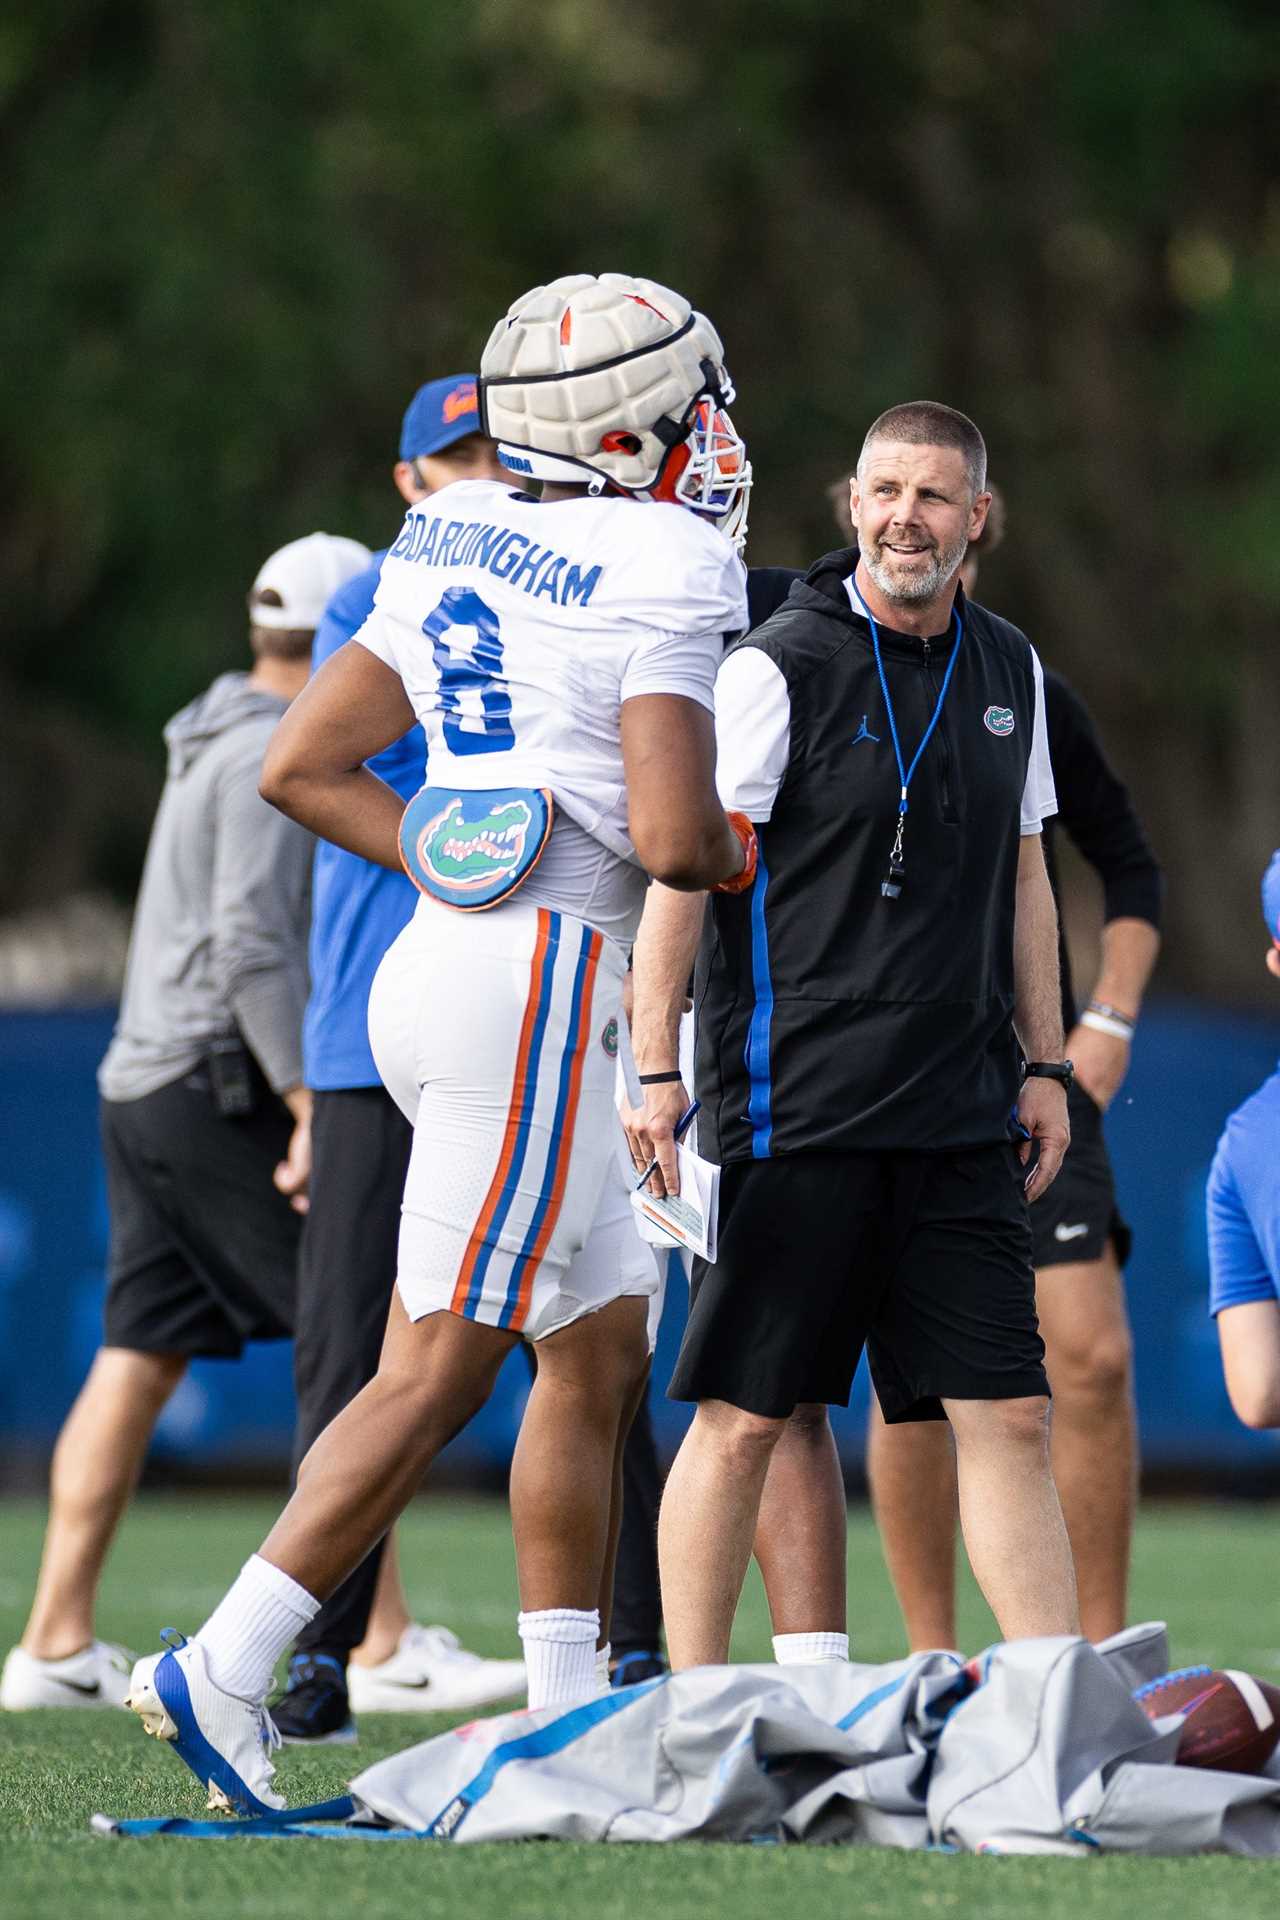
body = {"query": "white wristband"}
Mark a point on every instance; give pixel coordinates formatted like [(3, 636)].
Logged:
[(1103, 1023)]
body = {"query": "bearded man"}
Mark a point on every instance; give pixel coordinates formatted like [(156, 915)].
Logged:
[(879, 1058)]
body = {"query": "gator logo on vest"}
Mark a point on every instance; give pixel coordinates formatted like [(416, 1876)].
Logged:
[(467, 855), (998, 720), (609, 1039)]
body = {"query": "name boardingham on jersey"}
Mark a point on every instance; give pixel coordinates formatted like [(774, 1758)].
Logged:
[(501, 551)]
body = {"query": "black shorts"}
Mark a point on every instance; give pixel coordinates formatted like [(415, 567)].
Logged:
[(1079, 1214), (203, 1250), (923, 1257)]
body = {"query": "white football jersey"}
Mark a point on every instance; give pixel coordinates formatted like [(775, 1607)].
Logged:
[(519, 629)]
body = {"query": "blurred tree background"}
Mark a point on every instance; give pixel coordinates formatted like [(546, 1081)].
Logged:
[(238, 233)]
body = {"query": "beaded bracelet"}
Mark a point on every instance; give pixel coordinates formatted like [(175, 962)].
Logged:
[(1107, 1019)]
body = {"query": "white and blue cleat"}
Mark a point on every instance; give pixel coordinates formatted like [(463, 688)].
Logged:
[(224, 1740)]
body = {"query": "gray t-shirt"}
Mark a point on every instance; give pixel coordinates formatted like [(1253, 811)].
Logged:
[(219, 938)]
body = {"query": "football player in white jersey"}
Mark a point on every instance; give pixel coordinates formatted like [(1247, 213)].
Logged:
[(560, 654)]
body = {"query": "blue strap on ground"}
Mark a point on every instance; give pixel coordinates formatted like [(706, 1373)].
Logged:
[(326, 1820), (310, 1822)]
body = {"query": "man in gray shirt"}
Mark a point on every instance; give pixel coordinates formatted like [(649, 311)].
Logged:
[(205, 1120)]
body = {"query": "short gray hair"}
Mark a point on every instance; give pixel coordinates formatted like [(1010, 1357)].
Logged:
[(927, 423)]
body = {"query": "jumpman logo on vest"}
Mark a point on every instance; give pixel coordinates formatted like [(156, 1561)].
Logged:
[(864, 733)]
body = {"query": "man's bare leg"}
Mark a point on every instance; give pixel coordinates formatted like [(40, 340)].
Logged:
[(1011, 1517), (911, 1468), (356, 1479), (389, 1615), (1089, 1356), (706, 1526), (567, 1458), (96, 1464), (802, 1531), (361, 1473)]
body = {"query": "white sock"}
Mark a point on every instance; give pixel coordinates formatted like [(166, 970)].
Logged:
[(560, 1655), (603, 1656), (805, 1649), (244, 1636)]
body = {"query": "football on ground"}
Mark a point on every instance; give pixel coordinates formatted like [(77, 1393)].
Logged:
[(1231, 1720)]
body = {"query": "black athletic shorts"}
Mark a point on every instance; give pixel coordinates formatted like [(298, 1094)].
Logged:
[(203, 1250), (923, 1257), (1078, 1215)]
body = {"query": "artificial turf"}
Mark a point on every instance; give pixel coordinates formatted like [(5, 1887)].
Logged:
[(1213, 1572)]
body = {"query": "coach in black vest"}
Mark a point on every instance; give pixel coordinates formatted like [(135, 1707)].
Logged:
[(866, 1015)]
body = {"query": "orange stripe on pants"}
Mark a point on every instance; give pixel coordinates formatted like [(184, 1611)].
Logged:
[(565, 1150), (519, 1092)]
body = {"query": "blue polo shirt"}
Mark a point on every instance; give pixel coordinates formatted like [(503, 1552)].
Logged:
[(357, 908), (1244, 1203)]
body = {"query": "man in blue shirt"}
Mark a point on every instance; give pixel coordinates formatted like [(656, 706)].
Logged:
[(1244, 1229), (360, 1150)]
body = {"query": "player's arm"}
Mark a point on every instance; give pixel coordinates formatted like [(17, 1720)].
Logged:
[(678, 827), (314, 767), (683, 838), (1037, 1013), (1095, 808)]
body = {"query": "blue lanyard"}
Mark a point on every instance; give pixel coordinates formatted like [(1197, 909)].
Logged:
[(892, 886)]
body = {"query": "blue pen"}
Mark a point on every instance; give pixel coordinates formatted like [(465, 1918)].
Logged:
[(682, 1126)]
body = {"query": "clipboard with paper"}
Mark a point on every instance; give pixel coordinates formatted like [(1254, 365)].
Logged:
[(687, 1219)]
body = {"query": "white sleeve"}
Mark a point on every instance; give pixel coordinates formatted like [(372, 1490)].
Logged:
[(683, 663), (753, 732), (1039, 797), (679, 575)]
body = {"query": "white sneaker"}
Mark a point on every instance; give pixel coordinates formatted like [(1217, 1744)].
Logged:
[(224, 1740), (429, 1672), (97, 1676)]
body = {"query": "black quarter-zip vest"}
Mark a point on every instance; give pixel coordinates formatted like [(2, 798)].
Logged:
[(830, 1017)]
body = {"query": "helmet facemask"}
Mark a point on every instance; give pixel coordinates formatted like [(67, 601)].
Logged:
[(708, 471)]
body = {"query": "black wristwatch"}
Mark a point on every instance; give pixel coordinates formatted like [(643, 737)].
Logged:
[(1063, 1070)]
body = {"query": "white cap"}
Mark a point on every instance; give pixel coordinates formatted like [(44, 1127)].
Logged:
[(306, 574)]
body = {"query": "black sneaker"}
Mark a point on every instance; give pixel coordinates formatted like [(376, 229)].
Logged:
[(629, 1669), (313, 1707)]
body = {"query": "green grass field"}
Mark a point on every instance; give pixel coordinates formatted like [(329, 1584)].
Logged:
[(1213, 1572)]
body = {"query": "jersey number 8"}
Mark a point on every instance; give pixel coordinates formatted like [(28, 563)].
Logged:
[(479, 667)]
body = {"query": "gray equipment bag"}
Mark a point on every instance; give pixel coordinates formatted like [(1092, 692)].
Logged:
[(1036, 1746)]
